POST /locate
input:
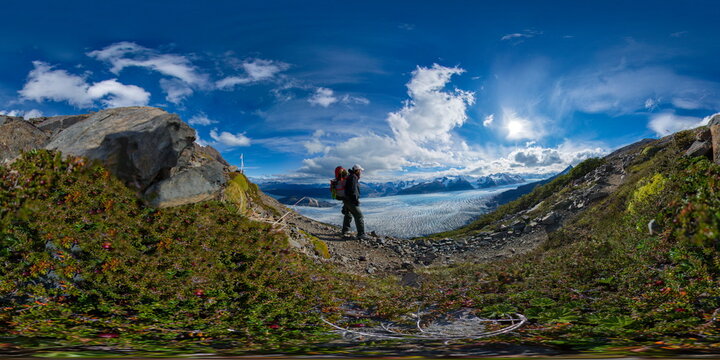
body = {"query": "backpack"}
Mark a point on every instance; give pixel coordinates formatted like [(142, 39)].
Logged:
[(337, 185)]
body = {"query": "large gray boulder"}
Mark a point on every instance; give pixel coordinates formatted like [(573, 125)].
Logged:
[(140, 145), (17, 135), (151, 150), (550, 218), (189, 185), (699, 148), (148, 148)]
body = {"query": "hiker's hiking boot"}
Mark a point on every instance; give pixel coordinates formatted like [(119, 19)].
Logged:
[(363, 237), (346, 235)]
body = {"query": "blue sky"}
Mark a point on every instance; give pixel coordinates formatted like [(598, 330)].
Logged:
[(405, 88)]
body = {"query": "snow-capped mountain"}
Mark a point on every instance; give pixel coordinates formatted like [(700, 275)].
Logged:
[(386, 188), (498, 179), (402, 187), (438, 185)]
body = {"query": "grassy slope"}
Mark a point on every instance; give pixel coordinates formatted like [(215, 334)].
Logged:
[(527, 201), (601, 280), (82, 260), (604, 279)]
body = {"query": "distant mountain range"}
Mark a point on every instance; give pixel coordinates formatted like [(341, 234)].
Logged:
[(512, 194), (443, 184), (403, 187)]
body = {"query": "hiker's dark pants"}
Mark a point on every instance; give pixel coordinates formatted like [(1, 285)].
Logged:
[(350, 211)]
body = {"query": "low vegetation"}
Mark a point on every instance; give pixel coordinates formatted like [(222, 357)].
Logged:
[(527, 201), (83, 261), (605, 281)]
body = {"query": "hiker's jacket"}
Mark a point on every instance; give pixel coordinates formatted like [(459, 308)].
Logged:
[(352, 189)]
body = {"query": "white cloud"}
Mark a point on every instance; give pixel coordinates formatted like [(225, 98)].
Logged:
[(45, 83), (422, 140), (202, 120), (488, 120), (230, 82), (543, 160), (525, 34), (625, 90), (651, 104), (256, 70), (548, 159), (512, 36), (33, 113), (536, 156), (176, 90), (114, 94), (13, 113), (315, 145), (421, 131), (323, 97), (431, 113), (25, 114), (127, 54), (184, 76), (229, 139), (375, 153), (347, 99), (668, 123), (259, 69), (688, 103)]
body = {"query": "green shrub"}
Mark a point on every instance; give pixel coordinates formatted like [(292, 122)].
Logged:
[(81, 255), (599, 280), (650, 189), (527, 201)]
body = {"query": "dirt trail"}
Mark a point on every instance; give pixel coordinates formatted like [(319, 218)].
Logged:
[(349, 254), (522, 232)]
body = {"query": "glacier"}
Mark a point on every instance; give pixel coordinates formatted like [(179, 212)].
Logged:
[(409, 216)]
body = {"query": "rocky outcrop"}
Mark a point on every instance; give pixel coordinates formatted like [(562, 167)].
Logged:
[(714, 125), (54, 124), (699, 148), (189, 185), (17, 135), (702, 145), (139, 145), (148, 148), (707, 141)]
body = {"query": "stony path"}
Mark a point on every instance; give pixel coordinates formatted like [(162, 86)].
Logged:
[(520, 234)]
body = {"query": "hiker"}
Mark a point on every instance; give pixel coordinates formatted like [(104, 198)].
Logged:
[(351, 203)]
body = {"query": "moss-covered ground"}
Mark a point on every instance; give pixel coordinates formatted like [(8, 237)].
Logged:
[(83, 261), (605, 282)]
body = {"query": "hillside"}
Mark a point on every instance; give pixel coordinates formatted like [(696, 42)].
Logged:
[(618, 253), (627, 253), (83, 257), (512, 194)]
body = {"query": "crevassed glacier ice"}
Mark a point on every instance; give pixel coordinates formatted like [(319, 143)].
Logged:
[(413, 215)]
